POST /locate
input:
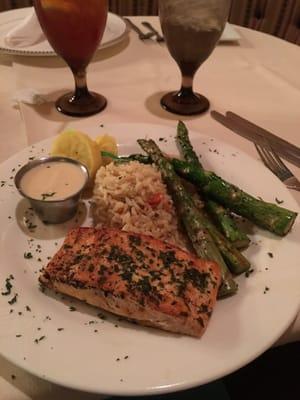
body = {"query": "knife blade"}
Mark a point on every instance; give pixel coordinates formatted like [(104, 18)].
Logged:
[(258, 135), (263, 132), (159, 37)]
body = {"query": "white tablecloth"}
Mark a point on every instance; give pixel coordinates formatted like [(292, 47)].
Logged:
[(257, 78)]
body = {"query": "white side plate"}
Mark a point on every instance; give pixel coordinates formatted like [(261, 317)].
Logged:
[(115, 31)]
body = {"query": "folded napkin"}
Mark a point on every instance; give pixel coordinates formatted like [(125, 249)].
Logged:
[(27, 33), (31, 97)]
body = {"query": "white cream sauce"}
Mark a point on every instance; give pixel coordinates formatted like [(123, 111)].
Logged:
[(55, 180)]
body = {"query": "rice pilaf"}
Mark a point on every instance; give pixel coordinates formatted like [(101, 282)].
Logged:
[(132, 197)]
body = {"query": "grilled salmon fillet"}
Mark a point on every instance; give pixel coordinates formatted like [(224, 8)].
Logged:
[(137, 277)]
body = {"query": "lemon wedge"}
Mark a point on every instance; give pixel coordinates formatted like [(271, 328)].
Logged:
[(59, 5), (109, 144), (78, 146)]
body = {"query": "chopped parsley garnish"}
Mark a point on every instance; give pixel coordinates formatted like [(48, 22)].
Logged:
[(13, 300), (40, 339), (47, 195), (28, 255), (197, 278), (278, 201), (8, 286), (248, 273), (31, 226), (135, 240)]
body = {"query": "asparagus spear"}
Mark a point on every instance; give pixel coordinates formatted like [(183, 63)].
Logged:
[(218, 212), (227, 225), (183, 140), (133, 157), (269, 216), (235, 261), (192, 219)]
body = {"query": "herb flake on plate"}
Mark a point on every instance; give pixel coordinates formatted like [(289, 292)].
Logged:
[(8, 286), (28, 255), (13, 300), (47, 195)]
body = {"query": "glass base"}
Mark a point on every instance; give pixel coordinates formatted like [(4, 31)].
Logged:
[(192, 104), (84, 106)]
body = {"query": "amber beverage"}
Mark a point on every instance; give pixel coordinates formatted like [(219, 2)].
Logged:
[(74, 28)]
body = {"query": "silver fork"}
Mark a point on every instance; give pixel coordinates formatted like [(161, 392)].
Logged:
[(275, 164), (142, 35)]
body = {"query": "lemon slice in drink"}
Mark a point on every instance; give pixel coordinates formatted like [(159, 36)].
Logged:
[(78, 146), (59, 5), (109, 144)]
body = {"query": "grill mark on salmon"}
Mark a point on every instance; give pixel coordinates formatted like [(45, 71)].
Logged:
[(137, 277)]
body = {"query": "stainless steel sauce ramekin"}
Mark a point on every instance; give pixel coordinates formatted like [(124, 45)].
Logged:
[(53, 211)]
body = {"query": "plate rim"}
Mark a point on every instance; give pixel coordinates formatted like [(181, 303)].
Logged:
[(180, 385)]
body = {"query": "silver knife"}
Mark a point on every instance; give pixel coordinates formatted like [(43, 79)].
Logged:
[(159, 37), (259, 135)]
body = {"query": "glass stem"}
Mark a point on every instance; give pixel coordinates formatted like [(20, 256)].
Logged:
[(81, 89), (186, 85)]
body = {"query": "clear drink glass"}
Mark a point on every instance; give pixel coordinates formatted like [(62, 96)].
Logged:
[(74, 28), (191, 29)]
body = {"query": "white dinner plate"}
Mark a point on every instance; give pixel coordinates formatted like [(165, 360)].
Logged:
[(114, 357), (115, 31)]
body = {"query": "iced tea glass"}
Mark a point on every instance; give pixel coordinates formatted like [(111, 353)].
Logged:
[(74, 28), (191, 29)]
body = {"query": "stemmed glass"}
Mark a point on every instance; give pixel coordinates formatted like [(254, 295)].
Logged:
[(74, 28), (191, 29)]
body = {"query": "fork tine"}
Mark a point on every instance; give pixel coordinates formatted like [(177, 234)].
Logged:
[(266, 159), (279, 161), (270, 156), (259, 150), (273, 162)]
